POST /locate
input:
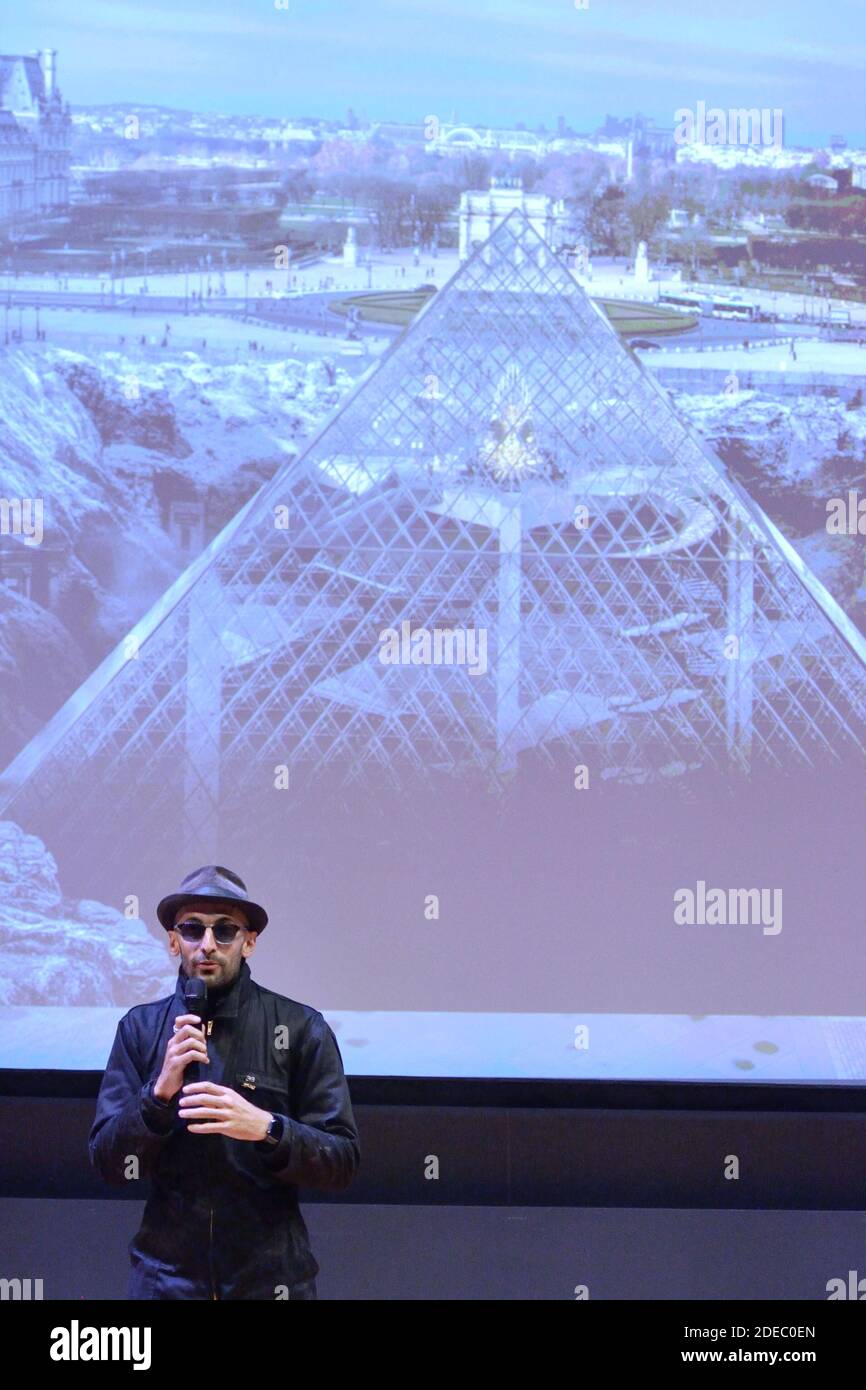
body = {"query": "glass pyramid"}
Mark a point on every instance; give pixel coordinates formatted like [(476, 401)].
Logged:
[(507, 482)]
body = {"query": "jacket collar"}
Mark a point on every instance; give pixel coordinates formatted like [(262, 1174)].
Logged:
[(227, 1005)]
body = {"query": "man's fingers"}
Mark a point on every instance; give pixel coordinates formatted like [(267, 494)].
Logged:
[(187, 1031)]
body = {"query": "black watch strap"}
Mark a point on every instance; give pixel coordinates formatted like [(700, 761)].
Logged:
[(274, 1134)]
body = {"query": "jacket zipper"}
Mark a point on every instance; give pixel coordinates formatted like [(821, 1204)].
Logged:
[(210, 1234)]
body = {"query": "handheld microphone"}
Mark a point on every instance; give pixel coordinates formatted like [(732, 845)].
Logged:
[(195, 1002)]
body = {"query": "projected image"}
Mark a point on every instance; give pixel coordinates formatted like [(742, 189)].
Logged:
[(459, 547)]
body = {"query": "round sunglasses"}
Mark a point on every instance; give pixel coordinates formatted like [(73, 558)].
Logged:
[(224, 932)]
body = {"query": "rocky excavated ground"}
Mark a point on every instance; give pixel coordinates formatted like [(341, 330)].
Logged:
[(793, 455), (63, 951), (107, 443)]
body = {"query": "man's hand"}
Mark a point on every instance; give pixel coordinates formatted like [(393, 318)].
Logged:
[(187, 1045), (220, 1110)]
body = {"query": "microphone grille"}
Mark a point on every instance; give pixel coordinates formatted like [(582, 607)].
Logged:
[(195, 995)]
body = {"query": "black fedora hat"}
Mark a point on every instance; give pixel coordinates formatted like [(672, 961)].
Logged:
[(212, 881)]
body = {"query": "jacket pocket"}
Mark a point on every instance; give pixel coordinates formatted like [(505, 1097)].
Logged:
[(142, 1275)]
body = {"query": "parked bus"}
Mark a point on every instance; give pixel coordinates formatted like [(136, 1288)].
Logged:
[(684, 300), (734, 309), (718, 306)]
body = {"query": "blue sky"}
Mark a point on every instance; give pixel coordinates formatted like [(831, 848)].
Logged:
[(488, 61)]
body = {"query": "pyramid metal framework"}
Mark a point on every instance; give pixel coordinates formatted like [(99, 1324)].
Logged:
[(506, 481)]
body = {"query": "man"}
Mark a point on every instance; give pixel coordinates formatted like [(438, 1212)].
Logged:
[(227, 1151)]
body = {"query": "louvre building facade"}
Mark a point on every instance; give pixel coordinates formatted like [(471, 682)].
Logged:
[(35, 138)]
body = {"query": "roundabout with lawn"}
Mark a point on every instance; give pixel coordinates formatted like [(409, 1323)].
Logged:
[(399, 307)]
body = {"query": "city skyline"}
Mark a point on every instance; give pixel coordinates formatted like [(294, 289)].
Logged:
[(496, 65)]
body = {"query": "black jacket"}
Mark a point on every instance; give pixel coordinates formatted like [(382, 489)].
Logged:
[(222, 1217)]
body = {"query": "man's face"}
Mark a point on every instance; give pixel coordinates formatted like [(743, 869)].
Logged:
[(216, 964)]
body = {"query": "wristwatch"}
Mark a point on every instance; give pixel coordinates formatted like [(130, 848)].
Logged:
[(275, 1132)]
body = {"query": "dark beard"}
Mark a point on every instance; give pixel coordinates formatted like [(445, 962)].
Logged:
[(214, 991), (217, 991)]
